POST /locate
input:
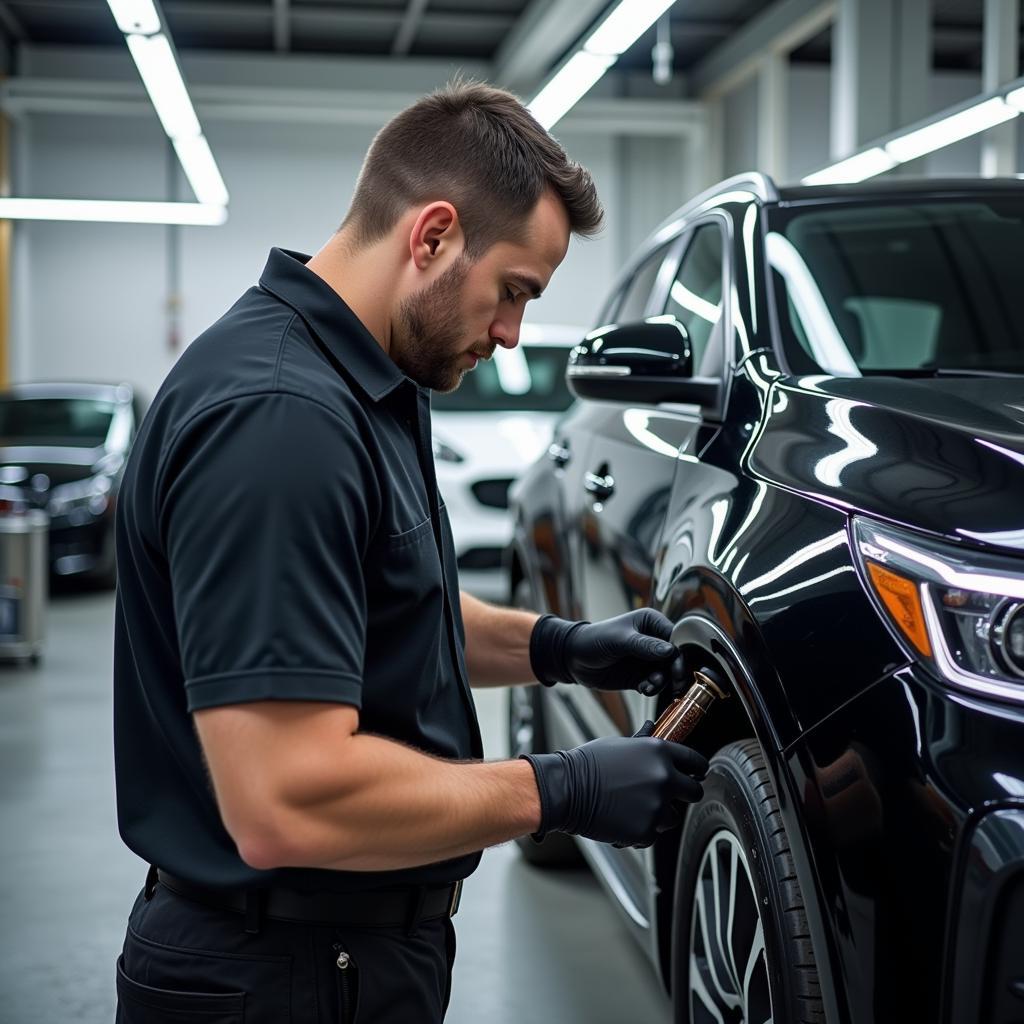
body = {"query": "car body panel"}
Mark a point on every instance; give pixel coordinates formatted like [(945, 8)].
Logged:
[(902, 798), (924, 452)]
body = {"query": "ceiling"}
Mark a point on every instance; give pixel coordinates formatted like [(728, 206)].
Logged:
[(469, 29)]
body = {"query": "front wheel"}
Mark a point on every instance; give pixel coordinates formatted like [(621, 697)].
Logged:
[(741, 950)]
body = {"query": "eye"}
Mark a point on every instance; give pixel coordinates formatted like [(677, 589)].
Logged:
[(510, 296)]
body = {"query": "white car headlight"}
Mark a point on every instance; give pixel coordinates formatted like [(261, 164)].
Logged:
[(91, 494), (445, 453), (959, 611)]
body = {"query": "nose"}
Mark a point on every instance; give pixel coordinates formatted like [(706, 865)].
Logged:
[(505, 331)]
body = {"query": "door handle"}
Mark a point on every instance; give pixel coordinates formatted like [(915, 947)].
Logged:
[(600, 486), (559, 454)]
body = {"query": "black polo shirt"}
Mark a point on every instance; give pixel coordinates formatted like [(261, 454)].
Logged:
[(280, 537)]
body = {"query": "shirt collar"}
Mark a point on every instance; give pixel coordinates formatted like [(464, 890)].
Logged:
[(326, 314)]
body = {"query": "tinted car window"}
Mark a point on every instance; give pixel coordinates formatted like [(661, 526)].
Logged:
[(528, 377), (696, 297), (634, 301), (64, 421), (918, 286)]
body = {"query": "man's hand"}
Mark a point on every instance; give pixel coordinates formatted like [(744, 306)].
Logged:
[(618, 789), (628, 652)]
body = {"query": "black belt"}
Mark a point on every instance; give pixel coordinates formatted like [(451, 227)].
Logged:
[(381, 908)]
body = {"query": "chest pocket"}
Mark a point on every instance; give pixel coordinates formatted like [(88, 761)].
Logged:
[(406, 571)]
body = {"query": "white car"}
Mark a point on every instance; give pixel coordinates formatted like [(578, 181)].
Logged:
[(486, 433)]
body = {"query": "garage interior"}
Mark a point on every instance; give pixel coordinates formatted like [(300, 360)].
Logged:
[(289, 94)]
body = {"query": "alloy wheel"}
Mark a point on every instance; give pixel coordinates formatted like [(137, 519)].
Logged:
[(728, 974)]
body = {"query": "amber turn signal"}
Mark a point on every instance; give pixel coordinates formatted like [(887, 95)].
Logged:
[(902, 599)]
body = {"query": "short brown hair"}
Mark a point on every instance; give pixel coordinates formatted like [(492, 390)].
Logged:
[(480, 149)]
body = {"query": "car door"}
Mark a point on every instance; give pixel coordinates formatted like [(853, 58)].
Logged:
[(559, 540), (631, 463)]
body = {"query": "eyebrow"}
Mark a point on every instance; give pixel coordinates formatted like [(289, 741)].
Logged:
[(528, 283)]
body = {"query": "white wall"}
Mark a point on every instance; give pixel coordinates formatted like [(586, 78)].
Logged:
[(91, 299)]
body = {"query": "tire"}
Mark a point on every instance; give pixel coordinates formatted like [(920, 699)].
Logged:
[(757, 963), (527, 734)]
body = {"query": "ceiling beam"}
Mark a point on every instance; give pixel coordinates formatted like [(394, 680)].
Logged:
[(780, 28), (541, 36), (282, 27), (348, 19), (409, 27), (11, 25), (370, 107)]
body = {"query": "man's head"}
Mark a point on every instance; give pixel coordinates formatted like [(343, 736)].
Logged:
[(476, 203)]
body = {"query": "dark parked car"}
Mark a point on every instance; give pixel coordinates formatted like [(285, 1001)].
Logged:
[(801, 437), (62, 449)]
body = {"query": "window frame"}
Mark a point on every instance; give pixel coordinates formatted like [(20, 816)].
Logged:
[(722, 221)]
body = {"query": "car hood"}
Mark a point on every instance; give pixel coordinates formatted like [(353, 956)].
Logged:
[(944, 455), (504, 442), (60, 465)]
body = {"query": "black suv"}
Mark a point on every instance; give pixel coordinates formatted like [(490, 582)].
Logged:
[(801, 437)]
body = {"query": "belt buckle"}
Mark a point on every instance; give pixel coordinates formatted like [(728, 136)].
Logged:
[(453, 903)]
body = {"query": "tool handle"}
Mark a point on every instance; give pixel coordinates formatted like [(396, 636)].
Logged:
[(678, 720)]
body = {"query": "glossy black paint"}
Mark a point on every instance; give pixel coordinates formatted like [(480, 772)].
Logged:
[(903, 800)]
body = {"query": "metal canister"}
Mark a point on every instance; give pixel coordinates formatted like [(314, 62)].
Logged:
[(678, 720), (24, 583)]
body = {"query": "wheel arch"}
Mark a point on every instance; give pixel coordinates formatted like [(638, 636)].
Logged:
[(745, 715)]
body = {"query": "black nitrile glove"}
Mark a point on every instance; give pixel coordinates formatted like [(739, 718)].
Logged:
[(618, 789), (628, 652)]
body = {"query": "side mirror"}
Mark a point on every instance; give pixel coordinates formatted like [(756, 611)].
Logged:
[(648, 362)]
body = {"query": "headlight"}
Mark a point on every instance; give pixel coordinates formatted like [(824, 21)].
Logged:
[(91, 494), (444, 453), (961, 612)]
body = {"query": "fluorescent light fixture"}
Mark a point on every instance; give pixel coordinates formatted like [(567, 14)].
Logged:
[(625, 25), (1016, 98), (159, 70), (573, 80), (951, 129), (201, 169), (135, 16), (855, 168), (118, 211)]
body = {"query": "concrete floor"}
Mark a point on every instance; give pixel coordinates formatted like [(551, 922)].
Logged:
[(533, 946)]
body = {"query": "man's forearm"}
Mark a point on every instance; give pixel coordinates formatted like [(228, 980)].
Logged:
[(321, 795), (399, 809), (497, 643)]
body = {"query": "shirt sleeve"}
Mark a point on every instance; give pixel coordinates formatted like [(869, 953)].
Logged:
[(268, 506)]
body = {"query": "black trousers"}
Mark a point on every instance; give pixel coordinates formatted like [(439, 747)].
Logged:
[(187, 963)]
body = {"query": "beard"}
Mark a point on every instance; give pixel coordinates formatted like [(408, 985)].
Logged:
[(426, 341)]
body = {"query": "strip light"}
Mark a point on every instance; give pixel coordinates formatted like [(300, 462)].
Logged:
[(113, 210), (619, 30), (855, 168), (921, 141), (625, 25), (572, 81), (951, 129), (135, 16), (160, 75), (153, 54)]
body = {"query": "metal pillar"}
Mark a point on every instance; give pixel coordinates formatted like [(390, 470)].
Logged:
[(6, 228), (772, 114), (999, 64), (881, 62)]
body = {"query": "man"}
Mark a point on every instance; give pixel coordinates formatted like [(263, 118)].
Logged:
[(296, 747)]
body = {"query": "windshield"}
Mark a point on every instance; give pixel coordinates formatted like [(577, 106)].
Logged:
[(913, 287), (76, 422), (528, 377)]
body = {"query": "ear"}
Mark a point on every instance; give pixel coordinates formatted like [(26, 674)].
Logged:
[(436, 233)]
